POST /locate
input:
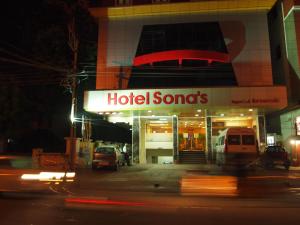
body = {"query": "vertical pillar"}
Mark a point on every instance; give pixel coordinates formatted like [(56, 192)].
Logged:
[(142, 145), (208, 137), (175, 138), (261, 132), (135, 139)]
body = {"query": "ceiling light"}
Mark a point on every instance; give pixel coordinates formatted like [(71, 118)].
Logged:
[(199, 110), (196, 114), (107, 113), (149, 111), (250, 110), (222, 114), (241, 114), (100, 113)]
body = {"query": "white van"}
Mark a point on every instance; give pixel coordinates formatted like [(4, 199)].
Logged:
[(236, 146)]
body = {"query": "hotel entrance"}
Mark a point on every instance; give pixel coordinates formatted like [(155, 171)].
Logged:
[(192, 139), (191, 134)]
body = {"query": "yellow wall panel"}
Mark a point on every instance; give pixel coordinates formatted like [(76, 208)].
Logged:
[(181, 8), (128, 11), (141, 10)]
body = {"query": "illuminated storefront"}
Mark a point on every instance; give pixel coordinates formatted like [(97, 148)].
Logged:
[(167, 122), (290, 134)]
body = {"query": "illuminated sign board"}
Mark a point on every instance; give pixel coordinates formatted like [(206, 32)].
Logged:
[(156, 98), (146, 99)]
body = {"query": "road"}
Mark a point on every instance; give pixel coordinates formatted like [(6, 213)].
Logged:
[(166, 194)]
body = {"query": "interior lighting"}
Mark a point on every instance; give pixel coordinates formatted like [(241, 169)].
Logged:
[(250, 110), (158, 122), (153, 115), (149, 111), (196, 114), (241, 114), (100, 113), (199, 110), (222, 114), (295, 142), (107, 113)]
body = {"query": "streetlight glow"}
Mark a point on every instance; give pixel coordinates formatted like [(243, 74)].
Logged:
[(72, 116)]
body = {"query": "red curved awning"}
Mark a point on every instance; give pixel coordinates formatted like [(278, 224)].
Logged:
[(180, 55)]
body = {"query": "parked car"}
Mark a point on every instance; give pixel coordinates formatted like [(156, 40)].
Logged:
[(108, 156), (275, 155)]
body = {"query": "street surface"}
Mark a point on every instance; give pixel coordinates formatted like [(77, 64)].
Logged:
[(154, 194)]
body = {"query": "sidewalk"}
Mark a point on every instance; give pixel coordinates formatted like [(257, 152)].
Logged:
[(178, 180), (136, 178)]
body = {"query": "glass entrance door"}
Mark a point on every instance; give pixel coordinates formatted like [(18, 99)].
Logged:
[(191, 134)]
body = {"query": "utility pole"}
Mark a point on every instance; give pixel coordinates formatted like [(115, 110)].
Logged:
[(121, 76), (73, 43)]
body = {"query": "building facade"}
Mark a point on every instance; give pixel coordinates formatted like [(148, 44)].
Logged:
[(289, 118), (181, 71)]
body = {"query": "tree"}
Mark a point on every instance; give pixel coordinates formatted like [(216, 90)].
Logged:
[(37, 59)]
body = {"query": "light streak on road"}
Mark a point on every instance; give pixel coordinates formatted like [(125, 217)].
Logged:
[(50, 176), (209, 185), (103, 202)]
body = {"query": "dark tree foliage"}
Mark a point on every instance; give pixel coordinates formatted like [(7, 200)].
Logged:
[(35, 59)]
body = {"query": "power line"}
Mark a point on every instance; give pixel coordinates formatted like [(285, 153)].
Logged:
[(31, 64), (38, 63)]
